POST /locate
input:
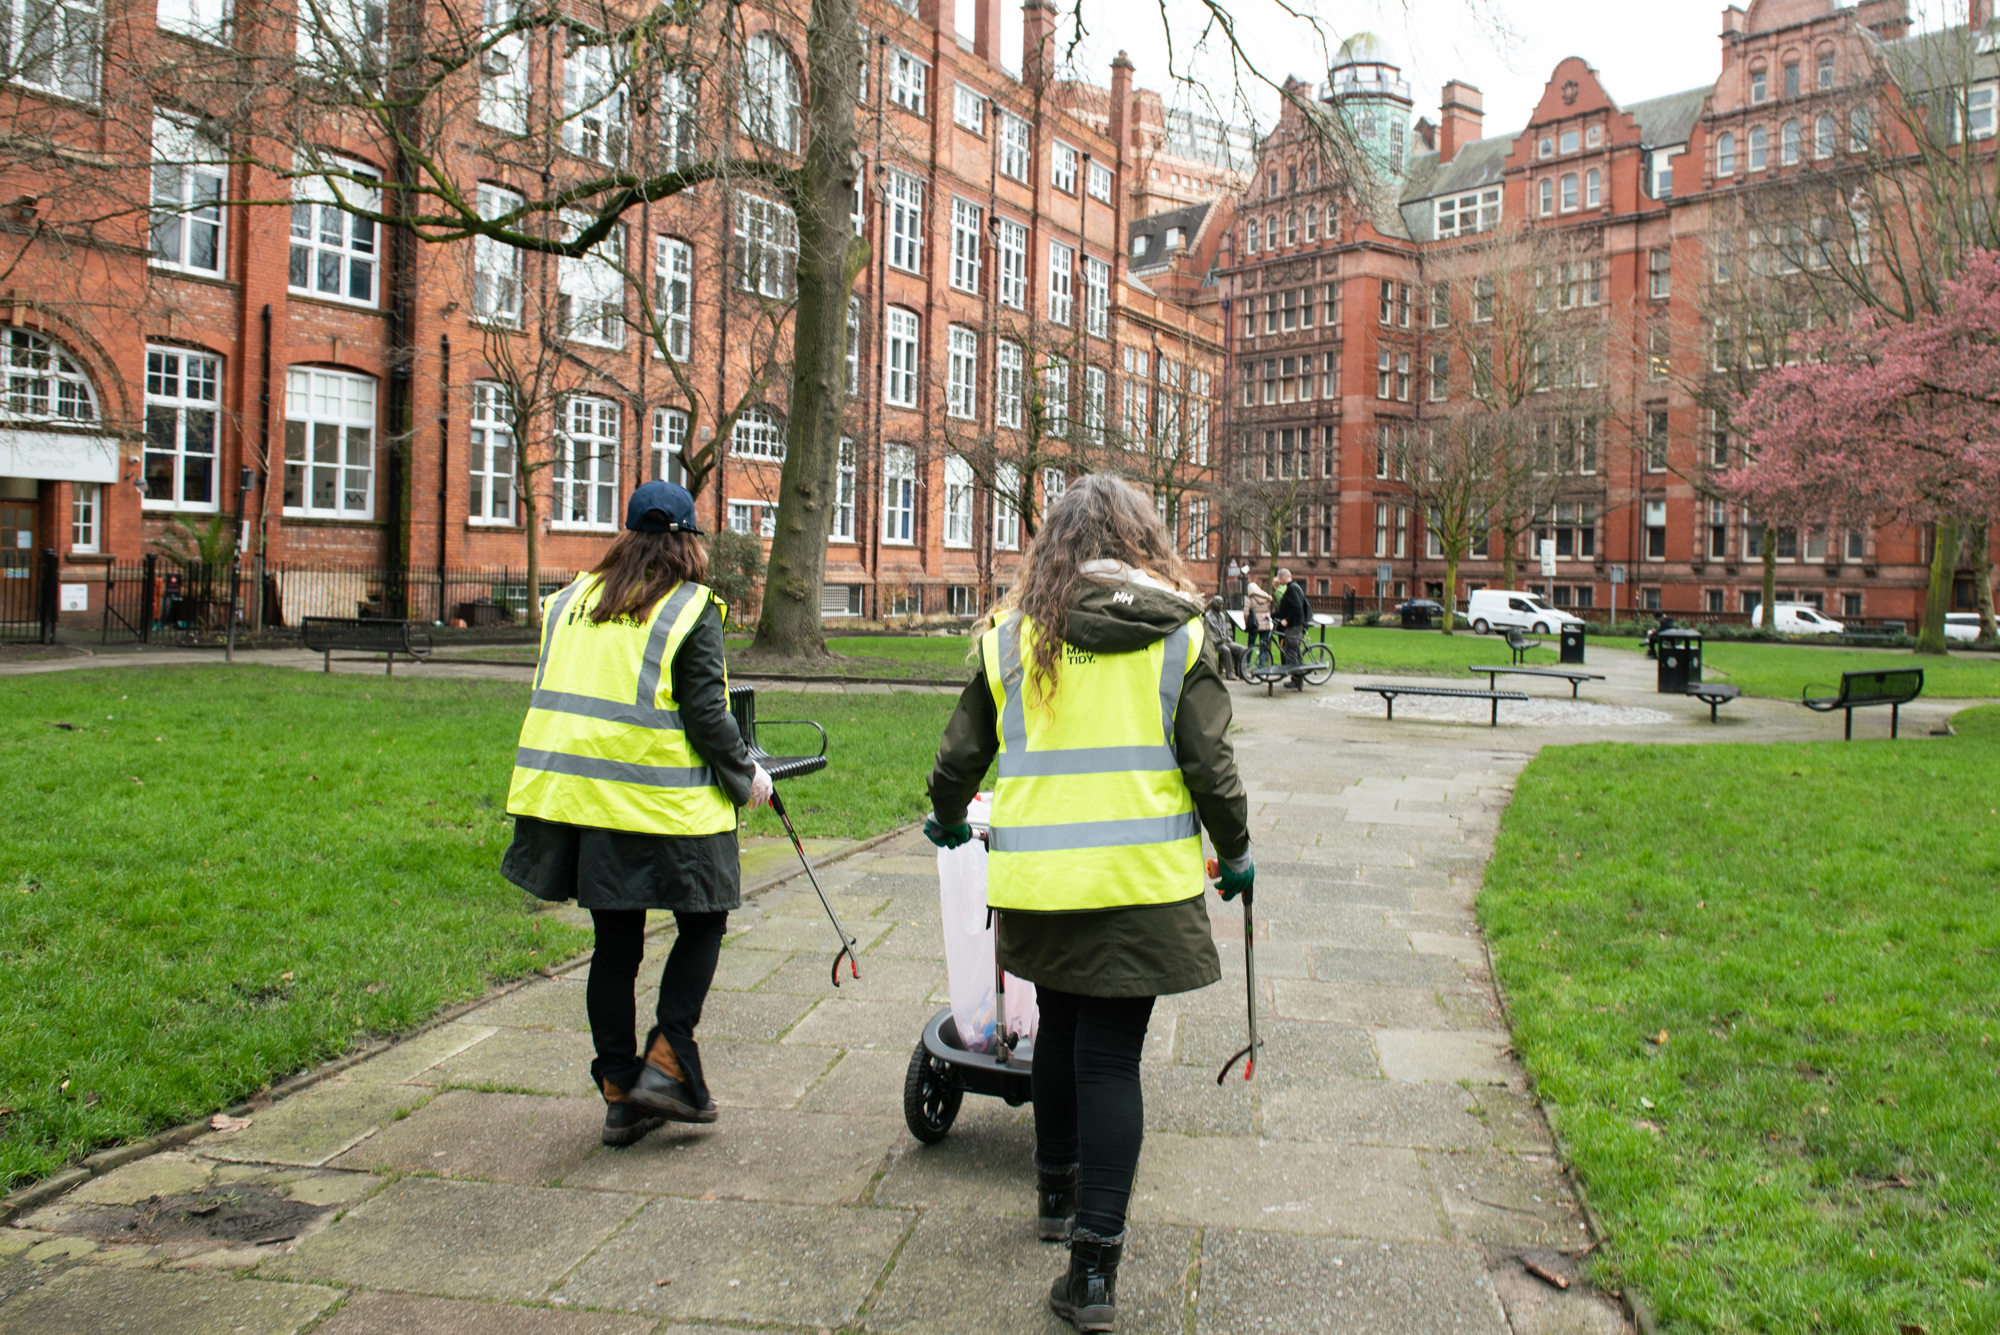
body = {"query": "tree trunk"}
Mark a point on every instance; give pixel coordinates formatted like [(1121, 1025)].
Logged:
[(1767, 611), (788, 625), (1507, 560), (1944, 564), (1982, 573), (532, 530), (1450, 599)]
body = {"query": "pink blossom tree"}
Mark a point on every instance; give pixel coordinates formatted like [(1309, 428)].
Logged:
[(1882, 420)]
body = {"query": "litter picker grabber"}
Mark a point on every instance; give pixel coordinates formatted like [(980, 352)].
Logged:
[(1247, 1054), (847, 943)]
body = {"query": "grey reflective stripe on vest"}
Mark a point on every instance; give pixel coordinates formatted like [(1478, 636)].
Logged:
[(1093, 834), (616, 771), (1018, 762), (549, 625), (656, 644), (609, 711)]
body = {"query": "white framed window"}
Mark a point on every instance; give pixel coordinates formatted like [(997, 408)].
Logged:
[(899, 365), (767, 246), (42, 383), (1013, 247), (183, 402), (189, 181), (966, 244), (1055, 398), (1096, 297), (908, 78), (205, 19), (342, 37), (1659, 273), (1054, 483), (673, 286), (1545, 147), (52, 45), (1569, 192), (968, 108), (899, 494), (841, 528), (906, 222), (1250, 232), (85, 502), (1093, 404), (1725, 154), (1062, 283), (1015, 153), (329, 444), (758, 517), (1007, 371), (1593, 193), (334, 252), (1593, 136), (1567, 144), (593, 100), (503, 74), (1826, 131), (1978, 116), (758, 434), (586, 470), (1788, 144), (962, 374), (492, 491), (676, 119), (1100, 182), (1760, 83), (853, 344), (1062, 167), (1759, 148), (670, 433), (1457, 215), (957, 502), (496, 266), (767, 105), (590, 288), (1007, 508), (1548, 193)]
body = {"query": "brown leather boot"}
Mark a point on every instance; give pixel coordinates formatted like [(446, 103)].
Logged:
[(663, 1087)]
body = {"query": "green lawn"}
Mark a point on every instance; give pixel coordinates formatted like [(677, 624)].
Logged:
[(1366, 649), (1784, 670), (1758, 989), (213, 878)]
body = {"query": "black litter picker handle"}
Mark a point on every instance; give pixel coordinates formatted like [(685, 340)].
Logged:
[(847, 943), (1247, 1054)]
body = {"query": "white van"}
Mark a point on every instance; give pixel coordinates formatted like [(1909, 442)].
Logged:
[(1509, 609), (1804, 619)]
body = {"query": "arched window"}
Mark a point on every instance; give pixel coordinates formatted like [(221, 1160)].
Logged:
[(1725, 155), (43, 383), (1271, 230), (1824, 130), (1758, 148), (1250, 238), (1292, 228), (1312, 222), (767, 106), (1789, 143)]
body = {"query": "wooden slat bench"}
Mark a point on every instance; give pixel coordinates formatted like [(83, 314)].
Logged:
[(365, 635), (1894, 687), (1389, 694), (1574, 678)]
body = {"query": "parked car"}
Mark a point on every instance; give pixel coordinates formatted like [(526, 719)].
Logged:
[(1961, 625), (1803, 619), (1510, 609)]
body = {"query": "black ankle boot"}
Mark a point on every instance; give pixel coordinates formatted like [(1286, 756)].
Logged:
[(1055, 1201), (1087, 1296)]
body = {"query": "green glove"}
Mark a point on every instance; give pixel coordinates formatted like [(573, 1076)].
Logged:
[(947, 836), (1238, 876)]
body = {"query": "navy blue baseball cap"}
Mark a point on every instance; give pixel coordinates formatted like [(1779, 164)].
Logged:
[(661, 507)]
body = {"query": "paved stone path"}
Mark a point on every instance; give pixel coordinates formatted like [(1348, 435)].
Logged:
[(1381, 1174)]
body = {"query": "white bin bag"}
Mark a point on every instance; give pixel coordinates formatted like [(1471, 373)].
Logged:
[(968, 944)]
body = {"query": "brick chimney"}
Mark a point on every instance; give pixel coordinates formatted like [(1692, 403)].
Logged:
[(1038, 41), (1121, 105), (1887, 19), (1978, 14), (986, 39), (1462, 113)]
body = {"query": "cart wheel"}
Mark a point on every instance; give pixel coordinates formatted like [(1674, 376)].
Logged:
[(930, 1099)]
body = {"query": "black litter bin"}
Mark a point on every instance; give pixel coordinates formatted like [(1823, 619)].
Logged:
[(1572, 644), (1680, 660)]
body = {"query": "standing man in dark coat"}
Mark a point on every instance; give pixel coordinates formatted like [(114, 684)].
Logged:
[(1290, 617)]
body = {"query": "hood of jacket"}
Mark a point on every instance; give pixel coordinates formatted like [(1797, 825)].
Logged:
[(1117, 609)]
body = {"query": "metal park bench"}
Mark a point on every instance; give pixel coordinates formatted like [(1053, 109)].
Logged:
[(743, 707), (1895, 688), (366, 635), (1713, 693), (1574, 678), (1389, 694), (1520, 645)]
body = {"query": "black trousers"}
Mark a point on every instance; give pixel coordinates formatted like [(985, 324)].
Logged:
[(1088, 1107), (611, 998)]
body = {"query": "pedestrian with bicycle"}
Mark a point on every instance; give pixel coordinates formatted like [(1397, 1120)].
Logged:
[(1290, 618), (626, 783), (1257, 617), (1097, 695)]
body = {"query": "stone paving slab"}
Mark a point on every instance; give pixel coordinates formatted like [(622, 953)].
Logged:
[(527, 1139), (99, 1300), (795, 1157), (1264, 1282), (542, 1061), (313, 1127), (742, 1261), (1334, 1190), (401, 1314)]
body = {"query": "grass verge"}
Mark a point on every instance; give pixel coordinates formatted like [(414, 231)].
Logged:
[(210, 878), (1758, 990), (1424, 653), (1785, 670)]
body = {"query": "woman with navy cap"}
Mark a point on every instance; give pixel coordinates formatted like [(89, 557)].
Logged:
[(626, 784)]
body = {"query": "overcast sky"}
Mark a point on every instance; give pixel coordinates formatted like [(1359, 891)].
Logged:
[(1506, 48)]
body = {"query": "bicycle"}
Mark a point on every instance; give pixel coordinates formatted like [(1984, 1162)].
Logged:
[(1317, 657)]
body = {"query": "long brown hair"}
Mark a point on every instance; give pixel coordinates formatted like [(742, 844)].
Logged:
[(642, 568), (1100, 517)]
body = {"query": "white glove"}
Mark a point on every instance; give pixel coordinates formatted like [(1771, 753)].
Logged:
[(760, 787)]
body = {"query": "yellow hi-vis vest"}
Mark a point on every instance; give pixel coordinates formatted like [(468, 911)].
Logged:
[(1090, 810), (602, 744)]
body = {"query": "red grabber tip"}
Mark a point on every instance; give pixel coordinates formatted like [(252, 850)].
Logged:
[(1249, 1066)]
